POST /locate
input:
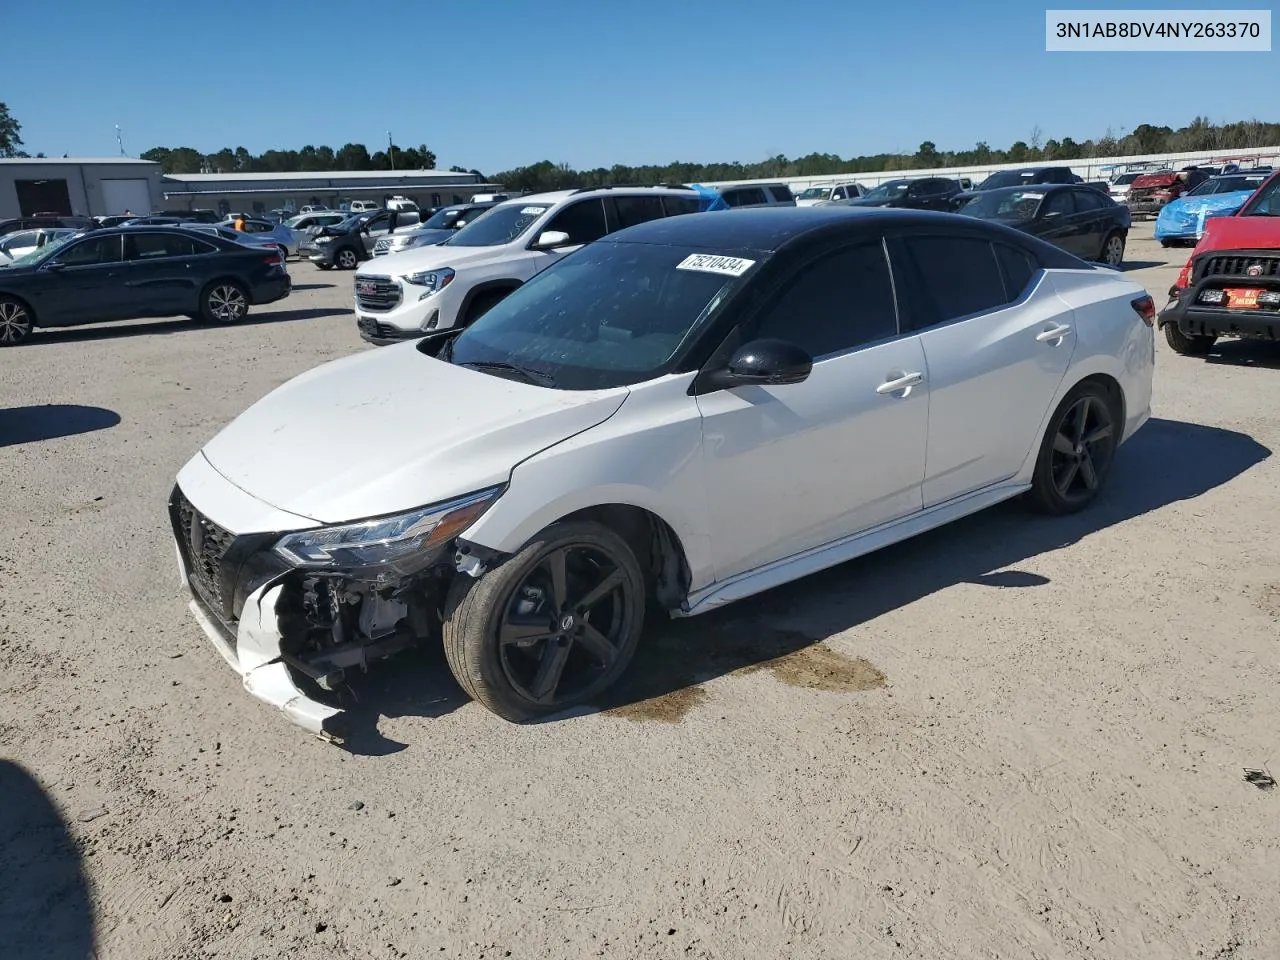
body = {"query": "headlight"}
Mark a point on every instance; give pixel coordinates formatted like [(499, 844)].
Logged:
[(398, 546), (433, 280)]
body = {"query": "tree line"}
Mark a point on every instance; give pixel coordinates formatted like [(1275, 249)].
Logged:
[(350, 156), (1200, 134)]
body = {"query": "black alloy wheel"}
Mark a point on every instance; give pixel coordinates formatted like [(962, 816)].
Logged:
[(552, 627), (1077, 452)]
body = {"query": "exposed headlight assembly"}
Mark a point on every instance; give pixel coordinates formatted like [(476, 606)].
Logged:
[(386, 547), (433, 280)]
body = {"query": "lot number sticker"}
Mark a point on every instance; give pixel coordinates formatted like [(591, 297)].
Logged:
[(712, 263)]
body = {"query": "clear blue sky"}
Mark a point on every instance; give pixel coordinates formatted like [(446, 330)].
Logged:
[(508, 82)]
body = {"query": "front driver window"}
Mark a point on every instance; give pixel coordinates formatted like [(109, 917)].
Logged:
[(1267, 203), (583, 221), (842, 301), (95, 250)]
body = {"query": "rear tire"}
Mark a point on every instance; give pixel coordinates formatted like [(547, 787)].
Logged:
[(1077, 451), (1112, 253), (16, 322), (224, 302), (1187, 345), (552, 627)]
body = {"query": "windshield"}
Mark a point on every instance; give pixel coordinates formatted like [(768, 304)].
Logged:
[(814, 193), (1006, 205), (1125, 178), (350, 223), (499, 226), (41, 254), (1226, 185), (887, 190), (609, 315), (1266, 203)]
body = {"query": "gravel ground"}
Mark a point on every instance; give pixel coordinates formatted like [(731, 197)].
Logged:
[(1015, 737)]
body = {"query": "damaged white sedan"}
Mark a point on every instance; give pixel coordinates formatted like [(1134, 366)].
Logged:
[(689, 411)]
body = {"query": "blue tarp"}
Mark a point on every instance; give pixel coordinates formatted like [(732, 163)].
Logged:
[(711, 199), (1183, 219)]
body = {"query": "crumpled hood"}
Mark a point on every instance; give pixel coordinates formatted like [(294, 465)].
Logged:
[(1186, 215), (431, 257), (391, 429)]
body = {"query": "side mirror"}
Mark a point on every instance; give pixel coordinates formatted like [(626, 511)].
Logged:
[(551, 239), (55, 266), (765, 363)]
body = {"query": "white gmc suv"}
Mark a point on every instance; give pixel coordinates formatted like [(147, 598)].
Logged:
[(406, 295)]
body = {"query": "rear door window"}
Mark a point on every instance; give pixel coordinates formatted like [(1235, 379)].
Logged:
[(744, 197), (782, 193), (674, 206), (949, 278), (629, 211), (150, 246)]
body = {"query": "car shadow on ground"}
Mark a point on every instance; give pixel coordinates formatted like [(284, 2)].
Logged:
[(130, 328), (46, 908), (1142, 264), (312, 286), (1246, 353), (51, 420), (1166, 462)]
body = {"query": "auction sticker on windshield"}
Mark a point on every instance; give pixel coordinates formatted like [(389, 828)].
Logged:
[(712, 263), (533, 211)]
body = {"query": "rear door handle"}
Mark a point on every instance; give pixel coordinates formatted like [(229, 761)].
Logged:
[(1053, 333), (904, 382)]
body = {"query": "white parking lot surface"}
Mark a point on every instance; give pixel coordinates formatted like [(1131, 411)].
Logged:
[(1016, 737)]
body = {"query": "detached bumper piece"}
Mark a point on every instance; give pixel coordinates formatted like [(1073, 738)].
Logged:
[(1232, 293), (383, 334)]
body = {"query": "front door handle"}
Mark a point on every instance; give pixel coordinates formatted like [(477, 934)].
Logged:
[(902, 383), (1053, 333)]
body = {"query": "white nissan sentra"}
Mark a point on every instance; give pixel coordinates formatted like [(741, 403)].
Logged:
[(691, 410)]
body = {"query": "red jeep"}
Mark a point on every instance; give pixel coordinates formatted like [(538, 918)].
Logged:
[(1230, 287)]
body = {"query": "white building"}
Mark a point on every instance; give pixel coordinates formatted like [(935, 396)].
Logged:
[(79, 186)]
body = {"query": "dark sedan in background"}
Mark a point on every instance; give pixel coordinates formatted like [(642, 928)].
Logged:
[(1077, 218), (925, 193), (125, 272)]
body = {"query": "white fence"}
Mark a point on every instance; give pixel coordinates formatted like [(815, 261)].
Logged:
[(1094, 168)]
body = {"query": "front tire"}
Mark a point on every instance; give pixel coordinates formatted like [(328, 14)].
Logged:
[(551, 628), (16, 322), (1188, 345), (224, 302), (346, 259), (1077, 451)]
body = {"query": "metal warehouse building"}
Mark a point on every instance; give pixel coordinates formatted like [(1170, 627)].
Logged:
[(83, 186), (260, 192)]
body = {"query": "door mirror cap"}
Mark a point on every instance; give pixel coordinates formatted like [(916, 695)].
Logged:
[(551, 239), (766, 363)]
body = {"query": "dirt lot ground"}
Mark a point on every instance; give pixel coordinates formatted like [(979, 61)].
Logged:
[(1014, 738)]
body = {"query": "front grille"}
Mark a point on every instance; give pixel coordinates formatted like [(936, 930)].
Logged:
[(1237, 266), (204, 545), (376, 293)]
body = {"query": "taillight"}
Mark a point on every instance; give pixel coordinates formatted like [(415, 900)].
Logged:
[(1145, 308), (272, 260)]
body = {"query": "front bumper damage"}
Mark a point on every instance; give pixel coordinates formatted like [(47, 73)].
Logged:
[(293, 634), (256, 656)]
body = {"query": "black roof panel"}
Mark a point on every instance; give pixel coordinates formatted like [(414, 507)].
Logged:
[(764, 228)]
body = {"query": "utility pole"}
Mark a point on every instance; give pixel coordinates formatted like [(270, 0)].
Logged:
[(391, 150)]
